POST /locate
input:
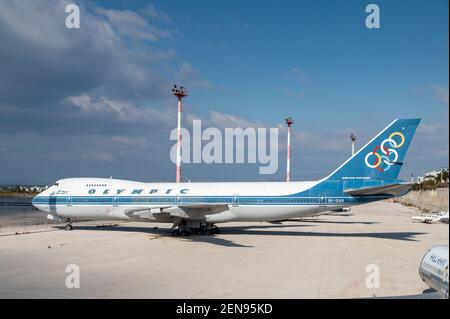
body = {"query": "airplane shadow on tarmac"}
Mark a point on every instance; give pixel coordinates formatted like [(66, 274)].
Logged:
[(255, 230), (320, 221), (166, 232)]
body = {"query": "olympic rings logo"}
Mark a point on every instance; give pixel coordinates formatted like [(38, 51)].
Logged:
[(383, 162)]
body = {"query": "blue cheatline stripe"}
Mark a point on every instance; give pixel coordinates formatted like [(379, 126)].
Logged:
[(179, 200)]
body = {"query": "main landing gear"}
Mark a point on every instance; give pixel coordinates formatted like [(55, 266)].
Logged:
[(184, 229), (68, 225)]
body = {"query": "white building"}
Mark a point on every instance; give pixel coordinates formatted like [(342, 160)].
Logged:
[(430, 175)]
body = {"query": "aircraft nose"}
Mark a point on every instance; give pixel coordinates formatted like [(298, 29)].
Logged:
[(40, 203), (35, 201)]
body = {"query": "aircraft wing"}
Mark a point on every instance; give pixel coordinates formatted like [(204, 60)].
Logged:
[(146, 213), (187, 211), (391, 190), (196, 210)]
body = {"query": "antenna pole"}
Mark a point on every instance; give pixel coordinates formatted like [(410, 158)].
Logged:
[(289, 121)]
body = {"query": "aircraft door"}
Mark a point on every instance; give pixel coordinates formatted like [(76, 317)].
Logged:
[(235, 200), (69, 200), (322, 200)]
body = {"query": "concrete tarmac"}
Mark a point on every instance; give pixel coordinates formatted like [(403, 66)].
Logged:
[(329, 256)]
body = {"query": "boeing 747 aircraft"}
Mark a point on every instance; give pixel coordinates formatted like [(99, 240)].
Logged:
[(369, 175)]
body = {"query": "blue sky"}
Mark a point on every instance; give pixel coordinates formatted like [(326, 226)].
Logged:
[(255, 61), (249, 49)]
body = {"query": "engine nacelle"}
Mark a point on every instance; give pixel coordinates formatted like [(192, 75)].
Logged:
[(342, 209), (222, 217)]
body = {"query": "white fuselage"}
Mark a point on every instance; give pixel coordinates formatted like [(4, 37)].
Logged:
[(96, 199)]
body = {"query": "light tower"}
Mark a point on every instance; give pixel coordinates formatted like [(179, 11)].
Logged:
[(179, 92), (353, 139), (289, 121)]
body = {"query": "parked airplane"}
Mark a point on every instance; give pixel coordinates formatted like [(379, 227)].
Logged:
[(369, 175), (433, 269), (444, 218), (431, 218)]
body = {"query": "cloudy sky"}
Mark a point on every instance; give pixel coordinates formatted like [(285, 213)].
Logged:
[(95, 101)]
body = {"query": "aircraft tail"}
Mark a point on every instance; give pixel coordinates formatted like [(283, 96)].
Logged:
[(381, 158)]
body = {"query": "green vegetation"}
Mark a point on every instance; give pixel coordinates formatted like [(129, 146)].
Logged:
[(439, 181)]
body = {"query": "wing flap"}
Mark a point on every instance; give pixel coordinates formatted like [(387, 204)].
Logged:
[(145, 213), (388, 190), (194, 211)]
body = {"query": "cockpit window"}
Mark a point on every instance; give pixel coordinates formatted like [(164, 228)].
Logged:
[(56, 184)]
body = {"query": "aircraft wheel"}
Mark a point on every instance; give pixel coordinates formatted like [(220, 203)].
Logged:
[(68, 227), (175, 232), (215, 230), (185, 233)]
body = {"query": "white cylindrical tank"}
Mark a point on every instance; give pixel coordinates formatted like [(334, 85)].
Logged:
[(434, 269)]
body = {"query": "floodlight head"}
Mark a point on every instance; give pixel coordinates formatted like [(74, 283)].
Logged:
[(289, 121), (179, 92)]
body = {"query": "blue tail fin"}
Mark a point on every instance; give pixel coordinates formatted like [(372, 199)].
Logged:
[(382, 157)]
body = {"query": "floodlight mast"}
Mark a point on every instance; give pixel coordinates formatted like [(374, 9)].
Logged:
[(180, 93), (289, 121), (353, 139)]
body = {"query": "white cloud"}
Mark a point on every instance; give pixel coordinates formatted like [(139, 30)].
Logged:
[(431, 129), (132, 24), (440, 92), (123, 110), (98, 157), (191, 78), (299, 75), (224, 120), (437, 91), (128, 141), (33, 23), (297, 94), (317, 142), (156, 14), (429, 148)]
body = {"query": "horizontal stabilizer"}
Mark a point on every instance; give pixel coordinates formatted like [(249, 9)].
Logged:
[(388, 190)]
